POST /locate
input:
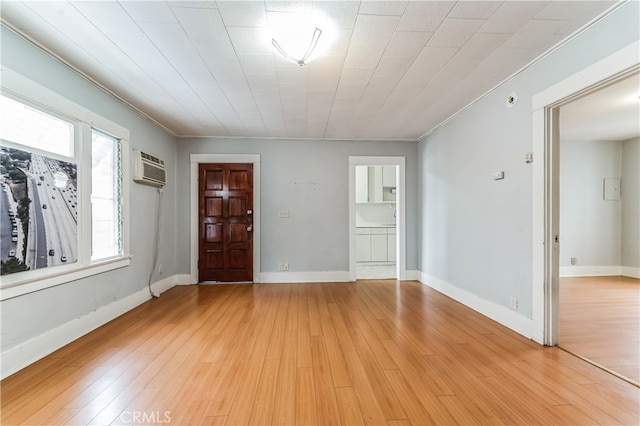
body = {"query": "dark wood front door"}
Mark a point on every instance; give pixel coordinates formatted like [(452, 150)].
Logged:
[(226, 222)]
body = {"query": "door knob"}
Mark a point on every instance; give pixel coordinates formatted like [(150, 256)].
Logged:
[(249, 211)]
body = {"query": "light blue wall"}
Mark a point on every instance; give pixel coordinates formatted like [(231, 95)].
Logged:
[(590, 226), (477, 233), (30, 315), (316, 235)]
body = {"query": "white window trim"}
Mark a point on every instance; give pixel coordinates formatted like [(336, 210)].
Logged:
[(26, 282)]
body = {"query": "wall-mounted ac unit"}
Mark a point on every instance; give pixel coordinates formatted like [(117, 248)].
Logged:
[(149, 170)]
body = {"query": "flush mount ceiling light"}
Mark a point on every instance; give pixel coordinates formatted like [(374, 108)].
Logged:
[(302, 61), (297, 35)]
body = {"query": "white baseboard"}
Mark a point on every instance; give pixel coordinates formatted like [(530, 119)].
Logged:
[(304, 277), (183, 279), (505, 316), (413, 275), (590, 271), (629, 271), (18, 357), (319, 277)]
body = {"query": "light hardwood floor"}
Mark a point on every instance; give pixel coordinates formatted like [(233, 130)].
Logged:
[(600, 321), (371, 352)]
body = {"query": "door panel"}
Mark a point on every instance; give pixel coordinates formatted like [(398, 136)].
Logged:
[(226, 222)]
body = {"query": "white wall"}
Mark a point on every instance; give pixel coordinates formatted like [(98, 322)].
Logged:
[(630, 194), (476, 236), (32, 315), (310, 179), (590, 226)]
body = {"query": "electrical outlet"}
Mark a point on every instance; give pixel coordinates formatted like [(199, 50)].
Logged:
[(280, 266), (160, 268), (574, 260), (285, 266), (513, 303)]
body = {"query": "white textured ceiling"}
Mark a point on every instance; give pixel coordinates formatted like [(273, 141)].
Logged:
[(611, 113), (395, 71)]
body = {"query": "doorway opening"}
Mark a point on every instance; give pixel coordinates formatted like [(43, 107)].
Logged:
[(599, 206), (546, 182), (376, 214), (225, 222), (195, 161), (377, 218)]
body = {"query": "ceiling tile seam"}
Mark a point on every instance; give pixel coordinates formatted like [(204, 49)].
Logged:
[(407, 70), (282, 111), (413, 62), (160, 51), (186, 6), (168, 94), (528, 65), (244, 76), (380, 14), (206, 66), (326, 125), (375, 68), (333, 102), (203, 62), (85, 76), (96, 59)]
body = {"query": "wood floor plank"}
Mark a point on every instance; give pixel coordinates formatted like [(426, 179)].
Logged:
[(326, 404), (339, 371), (367, 401), (387, 400), (284, 412), (599, 319), (262, 411), (306, 411), (458, 410), (370, 352), (350, 413), (410, 402)]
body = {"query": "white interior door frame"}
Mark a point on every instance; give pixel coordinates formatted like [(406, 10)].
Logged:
[(401, 257), (545, 178), (195, 160)]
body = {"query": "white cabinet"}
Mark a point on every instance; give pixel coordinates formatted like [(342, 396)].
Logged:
[(391, 244), (375, 184), (389, 176), (362, 184), (378, 244), (375, 244), (363, 246)]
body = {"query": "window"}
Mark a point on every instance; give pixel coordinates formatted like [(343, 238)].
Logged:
[(36, 129), (64, 185), (105, 197), (37, 190)]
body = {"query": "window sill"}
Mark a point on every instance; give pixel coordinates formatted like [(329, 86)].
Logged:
[(11, 289)]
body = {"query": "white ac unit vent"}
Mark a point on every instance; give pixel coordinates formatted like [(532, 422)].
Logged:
[(149, 170)]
